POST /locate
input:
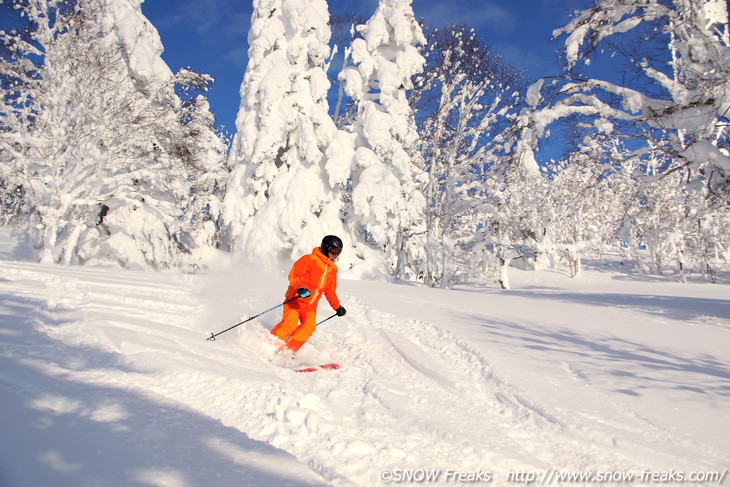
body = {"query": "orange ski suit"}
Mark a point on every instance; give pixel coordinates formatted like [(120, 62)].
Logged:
[(317, 273)]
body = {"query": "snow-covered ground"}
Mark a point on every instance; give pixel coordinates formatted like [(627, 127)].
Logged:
[(107, 379)]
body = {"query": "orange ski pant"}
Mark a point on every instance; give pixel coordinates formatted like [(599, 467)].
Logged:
[(296, 326)]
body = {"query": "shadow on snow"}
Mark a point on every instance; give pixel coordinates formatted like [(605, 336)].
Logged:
[(633, 364), (62, 431)]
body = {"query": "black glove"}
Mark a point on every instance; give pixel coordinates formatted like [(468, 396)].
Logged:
[(341, 311), (303, 292)]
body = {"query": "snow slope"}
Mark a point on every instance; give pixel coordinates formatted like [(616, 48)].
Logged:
[(106, 378)]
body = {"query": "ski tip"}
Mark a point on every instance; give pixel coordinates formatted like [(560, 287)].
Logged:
[(330, 366)]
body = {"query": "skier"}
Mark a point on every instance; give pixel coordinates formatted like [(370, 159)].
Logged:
[(311, 276)]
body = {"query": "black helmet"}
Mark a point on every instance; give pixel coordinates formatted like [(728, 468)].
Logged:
[(330, 242)]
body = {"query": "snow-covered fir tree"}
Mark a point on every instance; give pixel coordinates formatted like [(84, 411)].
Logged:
[(281, 198), (98, 137), (387, 203)]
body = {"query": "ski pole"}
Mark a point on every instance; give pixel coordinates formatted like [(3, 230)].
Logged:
[(213, 335), (328, 318)]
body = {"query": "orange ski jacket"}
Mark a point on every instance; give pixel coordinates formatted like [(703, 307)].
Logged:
[(318, 273)]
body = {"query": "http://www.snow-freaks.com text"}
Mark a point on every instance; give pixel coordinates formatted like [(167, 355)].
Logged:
[(551, 476)]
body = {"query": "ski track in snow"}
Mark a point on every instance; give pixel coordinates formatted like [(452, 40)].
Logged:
[(409, 395)]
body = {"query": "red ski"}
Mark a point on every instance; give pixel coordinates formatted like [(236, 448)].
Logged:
[(315, 369)]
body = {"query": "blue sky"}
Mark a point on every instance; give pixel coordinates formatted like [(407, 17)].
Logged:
[(210, 35)]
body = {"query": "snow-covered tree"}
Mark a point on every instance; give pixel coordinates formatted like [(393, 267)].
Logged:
[(581, 207), (387, 204), (100, 141), (681, 104), (674, 107), (281, 198), (685, 101), (343, 32), (204, 151), (513, 224), (666, 221), (462, 97)]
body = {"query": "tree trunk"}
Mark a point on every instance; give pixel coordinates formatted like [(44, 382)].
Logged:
[(503, 275)]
